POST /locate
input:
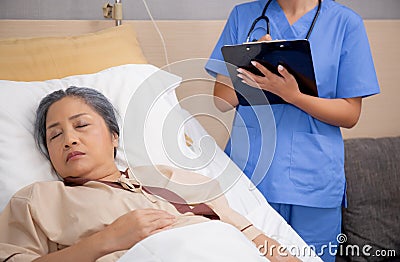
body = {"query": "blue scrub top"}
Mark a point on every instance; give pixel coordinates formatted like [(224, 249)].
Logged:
[(307, 157)]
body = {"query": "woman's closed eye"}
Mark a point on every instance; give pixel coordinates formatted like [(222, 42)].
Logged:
[(81, 124), (55, 136)]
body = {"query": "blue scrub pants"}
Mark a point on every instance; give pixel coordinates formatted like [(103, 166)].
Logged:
[(319, 227)]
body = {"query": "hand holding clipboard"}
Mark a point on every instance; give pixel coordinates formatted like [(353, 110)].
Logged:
[(294, 55)]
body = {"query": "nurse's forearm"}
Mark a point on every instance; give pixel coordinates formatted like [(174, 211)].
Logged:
[(225, 97), (343, 112)]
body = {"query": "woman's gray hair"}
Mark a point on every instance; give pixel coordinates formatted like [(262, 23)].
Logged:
[(96, 100)]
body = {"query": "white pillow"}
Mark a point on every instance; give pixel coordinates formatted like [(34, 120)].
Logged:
[(21, 163)]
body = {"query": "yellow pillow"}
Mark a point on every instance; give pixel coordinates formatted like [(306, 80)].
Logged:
[(43, 58)]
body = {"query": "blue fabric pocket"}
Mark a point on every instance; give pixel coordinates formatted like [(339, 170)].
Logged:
[(312, 160)]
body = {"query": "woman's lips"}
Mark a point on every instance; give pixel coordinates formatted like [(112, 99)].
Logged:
[(74, 155)]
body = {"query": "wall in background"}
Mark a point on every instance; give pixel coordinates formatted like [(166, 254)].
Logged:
[(164, 9)]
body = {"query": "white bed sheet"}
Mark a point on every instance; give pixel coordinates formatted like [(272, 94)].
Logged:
[(211, 241)]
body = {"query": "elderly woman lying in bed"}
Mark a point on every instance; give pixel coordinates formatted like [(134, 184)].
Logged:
[(97, 211)]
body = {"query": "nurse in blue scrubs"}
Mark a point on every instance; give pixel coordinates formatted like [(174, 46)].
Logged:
[(305, 180)]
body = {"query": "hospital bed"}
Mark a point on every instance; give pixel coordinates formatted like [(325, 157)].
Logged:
[(119, 69)]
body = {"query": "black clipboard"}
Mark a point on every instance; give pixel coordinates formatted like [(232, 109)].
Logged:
[(294, 55)]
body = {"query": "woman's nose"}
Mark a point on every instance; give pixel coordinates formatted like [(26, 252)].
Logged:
[(70, 139)]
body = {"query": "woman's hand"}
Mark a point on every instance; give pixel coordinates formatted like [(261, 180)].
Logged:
[(129, 229), (272, 250), (284, 86)]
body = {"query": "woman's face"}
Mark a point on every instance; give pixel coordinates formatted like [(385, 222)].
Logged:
[(79, 141)]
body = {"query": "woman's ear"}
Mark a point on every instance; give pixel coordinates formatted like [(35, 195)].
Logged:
[(115, 138)]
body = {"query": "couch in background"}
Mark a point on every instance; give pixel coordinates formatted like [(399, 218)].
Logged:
[(372, 218)]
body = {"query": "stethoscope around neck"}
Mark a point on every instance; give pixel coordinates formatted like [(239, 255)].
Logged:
[(264, 17)]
